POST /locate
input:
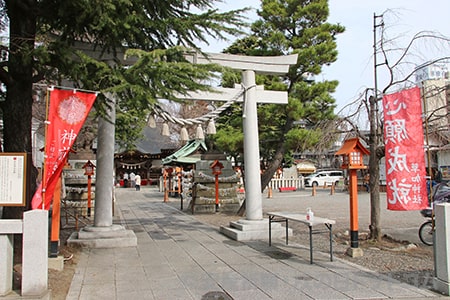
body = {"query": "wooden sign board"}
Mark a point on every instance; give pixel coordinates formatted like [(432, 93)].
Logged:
[(13, 168)]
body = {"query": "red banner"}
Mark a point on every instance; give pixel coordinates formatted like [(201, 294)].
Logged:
[(405, 159), (67, 113)]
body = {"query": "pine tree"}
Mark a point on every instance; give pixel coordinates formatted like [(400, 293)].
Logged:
[(287, 27)]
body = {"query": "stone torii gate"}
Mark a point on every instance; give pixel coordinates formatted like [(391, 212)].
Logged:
[(105, 234), (253, 227)]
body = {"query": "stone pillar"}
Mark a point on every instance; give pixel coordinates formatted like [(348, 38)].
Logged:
[(6, 263), (7, 230), (253, 201), (104, 234), (441, 282), (35, 253), (103, 215)]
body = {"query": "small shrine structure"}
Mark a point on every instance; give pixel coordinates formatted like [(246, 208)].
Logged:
[(147, 165), (207, 196), (197, 179)]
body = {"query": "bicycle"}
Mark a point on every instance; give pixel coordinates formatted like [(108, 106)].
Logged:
[(441, 194), (426, 232)]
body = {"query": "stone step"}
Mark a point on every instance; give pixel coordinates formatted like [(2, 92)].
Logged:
[(244, 230), (108, 237), (211, 208)]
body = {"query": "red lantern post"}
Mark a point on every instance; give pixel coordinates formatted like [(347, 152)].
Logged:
[(352, 155), (89, 171), (167, 175), (217, 167)]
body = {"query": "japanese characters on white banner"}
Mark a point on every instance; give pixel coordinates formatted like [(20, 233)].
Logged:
[(404, 153)]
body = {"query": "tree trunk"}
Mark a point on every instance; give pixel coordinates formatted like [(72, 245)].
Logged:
[(374, 169), (375, 229), (17, 108), (267, 176)]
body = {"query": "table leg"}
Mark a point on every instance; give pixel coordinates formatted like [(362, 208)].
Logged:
[(330, 228), (270, 230), (310, 245), (287, 231)]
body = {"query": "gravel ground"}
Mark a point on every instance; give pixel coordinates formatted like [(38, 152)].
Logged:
[(410, 263)]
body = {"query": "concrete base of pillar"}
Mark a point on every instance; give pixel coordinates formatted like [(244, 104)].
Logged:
[(15, 295), (441, 286), (244, 230), (355, 252), (441, 282), (115, 236), (56, 263)]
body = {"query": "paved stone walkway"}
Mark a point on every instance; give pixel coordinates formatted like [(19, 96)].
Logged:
[(178, 257)]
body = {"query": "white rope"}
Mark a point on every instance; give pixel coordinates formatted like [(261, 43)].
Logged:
[(232, 178), (222, 191), (157, 109)]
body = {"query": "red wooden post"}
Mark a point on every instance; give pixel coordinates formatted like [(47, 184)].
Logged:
[(89, 195), (166, 196), (167, 174), (179, 174), (353, 208), (89, 171), (217, 167), (56, 216), (217, 192), (352, 154)]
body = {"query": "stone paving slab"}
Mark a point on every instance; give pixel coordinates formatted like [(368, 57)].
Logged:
[(177, 257)]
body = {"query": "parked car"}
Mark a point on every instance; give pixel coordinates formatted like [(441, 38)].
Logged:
[(322, 177)]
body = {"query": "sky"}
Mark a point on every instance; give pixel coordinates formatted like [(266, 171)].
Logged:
[(354, 67)]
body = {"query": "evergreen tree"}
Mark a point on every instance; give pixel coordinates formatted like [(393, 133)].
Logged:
[(45, 39), (287, 27)]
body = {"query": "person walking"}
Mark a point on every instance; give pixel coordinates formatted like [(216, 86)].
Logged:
[(133, 179), (125, 179), (366, 182), (437, 175), (137, 182)]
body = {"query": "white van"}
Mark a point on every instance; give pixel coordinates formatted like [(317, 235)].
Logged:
[(322, 177)]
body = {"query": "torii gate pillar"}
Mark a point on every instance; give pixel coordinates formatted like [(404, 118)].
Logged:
[(253, 203), (253, 227)]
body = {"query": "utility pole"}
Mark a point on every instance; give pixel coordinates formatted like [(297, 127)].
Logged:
[(374, 138)]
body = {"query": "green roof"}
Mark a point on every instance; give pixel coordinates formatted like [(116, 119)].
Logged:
[(186, 154)]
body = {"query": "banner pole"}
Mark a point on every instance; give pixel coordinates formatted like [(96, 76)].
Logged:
[(425, 117), (56, 217), (46, 122)]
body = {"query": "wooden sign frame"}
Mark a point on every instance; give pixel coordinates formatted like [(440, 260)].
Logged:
[(13, 179)]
